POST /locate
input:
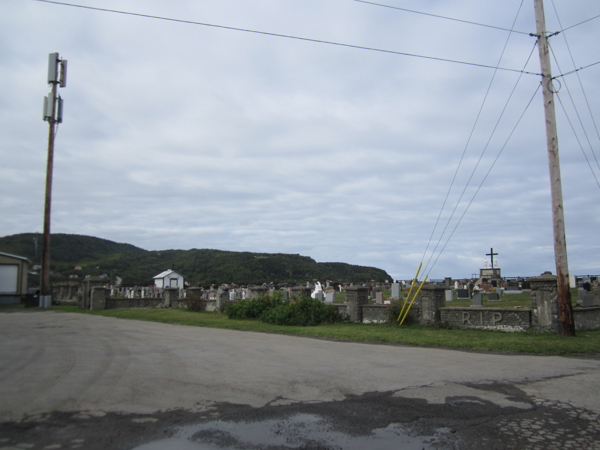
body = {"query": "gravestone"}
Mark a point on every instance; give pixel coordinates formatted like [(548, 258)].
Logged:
[(395, 291), (463, 294), (477, 299), (448, 295), (330, 297), (379, 298), (512, 288), (319, 295), (587, 300), (493, 297)]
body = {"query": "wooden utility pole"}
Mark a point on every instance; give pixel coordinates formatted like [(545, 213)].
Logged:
[(48, 197), (567, 324), (53, 109)]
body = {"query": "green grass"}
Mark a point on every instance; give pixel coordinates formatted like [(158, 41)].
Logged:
[(585, 343)]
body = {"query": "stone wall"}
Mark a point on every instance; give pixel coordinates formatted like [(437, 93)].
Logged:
[(123, 303), (587, 318), (501, 319), (375, 314), (342, 308)]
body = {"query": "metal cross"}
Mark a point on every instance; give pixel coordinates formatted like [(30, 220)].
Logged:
[(491, 254)]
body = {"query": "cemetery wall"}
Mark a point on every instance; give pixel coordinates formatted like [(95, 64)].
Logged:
[(500, 319), (375, 314), (342, 308), (587, 318), (120, 303)]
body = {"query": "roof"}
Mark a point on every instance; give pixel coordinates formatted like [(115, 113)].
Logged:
[(165, 273), (14, 256)]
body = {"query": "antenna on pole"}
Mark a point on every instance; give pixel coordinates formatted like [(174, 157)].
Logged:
[(53, 114)]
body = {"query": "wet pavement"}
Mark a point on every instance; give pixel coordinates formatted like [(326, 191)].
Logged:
[(371, 421), (70, 381)]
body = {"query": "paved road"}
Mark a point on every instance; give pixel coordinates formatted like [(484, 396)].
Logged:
[(80, 381)]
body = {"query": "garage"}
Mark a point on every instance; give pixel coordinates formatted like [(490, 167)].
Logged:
[(13, 278)]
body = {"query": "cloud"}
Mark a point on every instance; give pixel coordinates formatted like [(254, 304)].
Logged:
[(187, 136)]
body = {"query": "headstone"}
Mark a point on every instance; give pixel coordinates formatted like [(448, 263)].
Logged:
[(448, 282), (448, 295), (586, 299), (379, 298), (456, 285), (396, 290), (318, 295), (493, 297), (330, 297), (572, 281), (513, 288), (463, 294), (477, 299)]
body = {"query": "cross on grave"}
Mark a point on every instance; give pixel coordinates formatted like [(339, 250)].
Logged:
[(491, 254)]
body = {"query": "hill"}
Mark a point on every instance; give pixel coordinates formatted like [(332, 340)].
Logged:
[(199, 266)]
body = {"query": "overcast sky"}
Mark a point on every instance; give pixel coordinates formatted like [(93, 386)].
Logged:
[(180, 136)]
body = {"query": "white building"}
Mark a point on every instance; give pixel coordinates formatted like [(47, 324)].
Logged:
[(168, 278), (13, 278)]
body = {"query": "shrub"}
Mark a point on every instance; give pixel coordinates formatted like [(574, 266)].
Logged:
[(305, 311), (253, 308)]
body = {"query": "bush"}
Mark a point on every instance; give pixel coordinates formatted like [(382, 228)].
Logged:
[(305, 311), (277, 310), (253, 308)]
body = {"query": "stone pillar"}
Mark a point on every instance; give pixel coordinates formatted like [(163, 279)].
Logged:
[(432, 299), (356, 297), (170, 295), (98, 297), (544, 303), (88, 285), (222, 297)]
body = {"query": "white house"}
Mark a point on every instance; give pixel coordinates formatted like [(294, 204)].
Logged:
[(168, 278)]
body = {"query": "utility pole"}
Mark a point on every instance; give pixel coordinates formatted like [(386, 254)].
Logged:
[(567, 324), (53, 110)]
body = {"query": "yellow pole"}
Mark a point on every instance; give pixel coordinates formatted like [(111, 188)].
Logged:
[(409, 292), (413, 300)]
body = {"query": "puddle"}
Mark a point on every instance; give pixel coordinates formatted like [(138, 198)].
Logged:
[(299, 431)]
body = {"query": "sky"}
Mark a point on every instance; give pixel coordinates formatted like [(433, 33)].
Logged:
[(179, 135)]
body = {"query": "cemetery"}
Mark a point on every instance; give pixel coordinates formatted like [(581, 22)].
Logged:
[(455, 304)]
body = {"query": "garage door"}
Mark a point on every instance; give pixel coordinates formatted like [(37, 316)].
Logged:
[(9, 278)]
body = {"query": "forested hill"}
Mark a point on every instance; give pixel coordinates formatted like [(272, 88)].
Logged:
[(137, 266)]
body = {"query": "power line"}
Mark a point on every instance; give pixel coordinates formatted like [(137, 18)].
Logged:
[(476, 166), (576, 70), (578, 117), (577, 138), (318, 41), (485, 178), (582, 90), (442, 17), (464, 152), (580, 23)]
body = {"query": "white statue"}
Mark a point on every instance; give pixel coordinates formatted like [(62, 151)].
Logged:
[(318, 288)]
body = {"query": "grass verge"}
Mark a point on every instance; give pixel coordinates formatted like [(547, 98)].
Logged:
[(585, 343)]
